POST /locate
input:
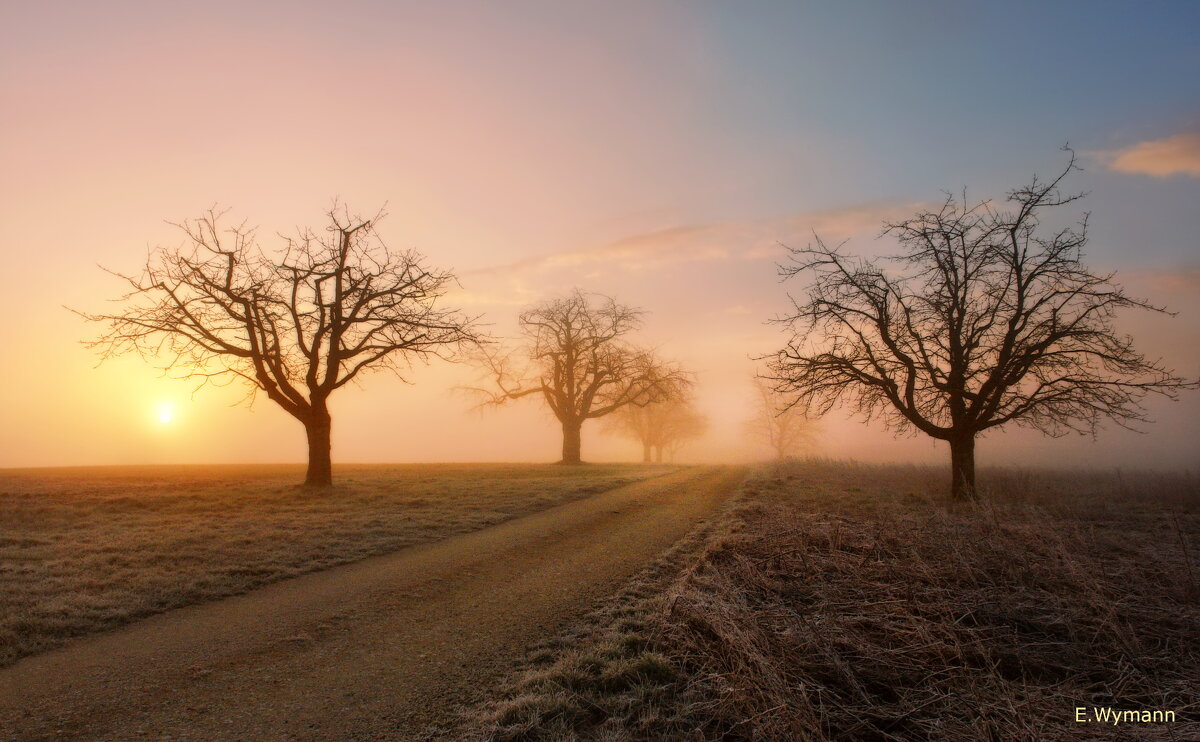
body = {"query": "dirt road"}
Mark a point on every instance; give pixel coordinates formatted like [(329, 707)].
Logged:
[(369, 651)]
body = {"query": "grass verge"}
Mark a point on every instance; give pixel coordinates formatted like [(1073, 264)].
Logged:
[(840, 602)]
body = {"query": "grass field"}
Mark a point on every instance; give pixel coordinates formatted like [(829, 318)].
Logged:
[(83, 550), (839, 602)]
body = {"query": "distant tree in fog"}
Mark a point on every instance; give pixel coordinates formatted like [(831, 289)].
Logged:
[(296, 323), (663, 426), (577, 357), (778, 422), (986, 317)]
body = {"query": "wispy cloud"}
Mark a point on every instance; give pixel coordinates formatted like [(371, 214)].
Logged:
[(720, 241), (835, 225), (1183, 280), (649, 250), (1174, 155), (512, 296)]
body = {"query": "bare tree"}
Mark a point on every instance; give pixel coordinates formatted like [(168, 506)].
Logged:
[(577, 357), (681, 424), (297, 323), (662, 426), (778, 422), (986, 317)]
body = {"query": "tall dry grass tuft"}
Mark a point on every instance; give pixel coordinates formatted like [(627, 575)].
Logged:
[(845, 602)]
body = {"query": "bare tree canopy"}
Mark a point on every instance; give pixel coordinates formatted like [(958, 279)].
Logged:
[(779, 422), (577, 357), (662, 426), (986, 317), (296, 323)]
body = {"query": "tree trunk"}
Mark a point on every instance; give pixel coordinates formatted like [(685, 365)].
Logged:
[(658, 455), (571, 442), (645, 453), (962, 467), (320, 468)]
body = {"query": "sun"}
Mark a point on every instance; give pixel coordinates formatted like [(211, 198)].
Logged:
[(165, 413)]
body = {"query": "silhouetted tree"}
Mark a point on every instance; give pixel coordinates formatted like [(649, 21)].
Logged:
[(680, 424), (778, 422), (577, 357), (297, 323), (986, 317), (661, 426)]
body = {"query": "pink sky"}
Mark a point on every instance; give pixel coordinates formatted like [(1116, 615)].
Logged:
[(530, 152)]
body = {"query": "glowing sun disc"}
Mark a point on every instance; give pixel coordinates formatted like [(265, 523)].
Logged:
[(166, 413)]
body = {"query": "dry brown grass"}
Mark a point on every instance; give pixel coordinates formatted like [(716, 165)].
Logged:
[(82, 550), (853, 603)]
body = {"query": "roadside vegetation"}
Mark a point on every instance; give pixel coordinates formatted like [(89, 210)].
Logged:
[(88, 549), (846, 602)]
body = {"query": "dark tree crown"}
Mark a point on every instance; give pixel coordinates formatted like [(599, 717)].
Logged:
[(295, 323), (985, 317), (577, 355)]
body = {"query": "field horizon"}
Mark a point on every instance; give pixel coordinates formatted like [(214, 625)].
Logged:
[(298, 466)]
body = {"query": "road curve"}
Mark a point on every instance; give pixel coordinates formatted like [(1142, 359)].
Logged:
[(367, 651)]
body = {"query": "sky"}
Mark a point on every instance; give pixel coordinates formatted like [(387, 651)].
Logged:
[(659, 152)]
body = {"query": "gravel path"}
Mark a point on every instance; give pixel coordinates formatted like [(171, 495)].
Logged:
[(368, 651)]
